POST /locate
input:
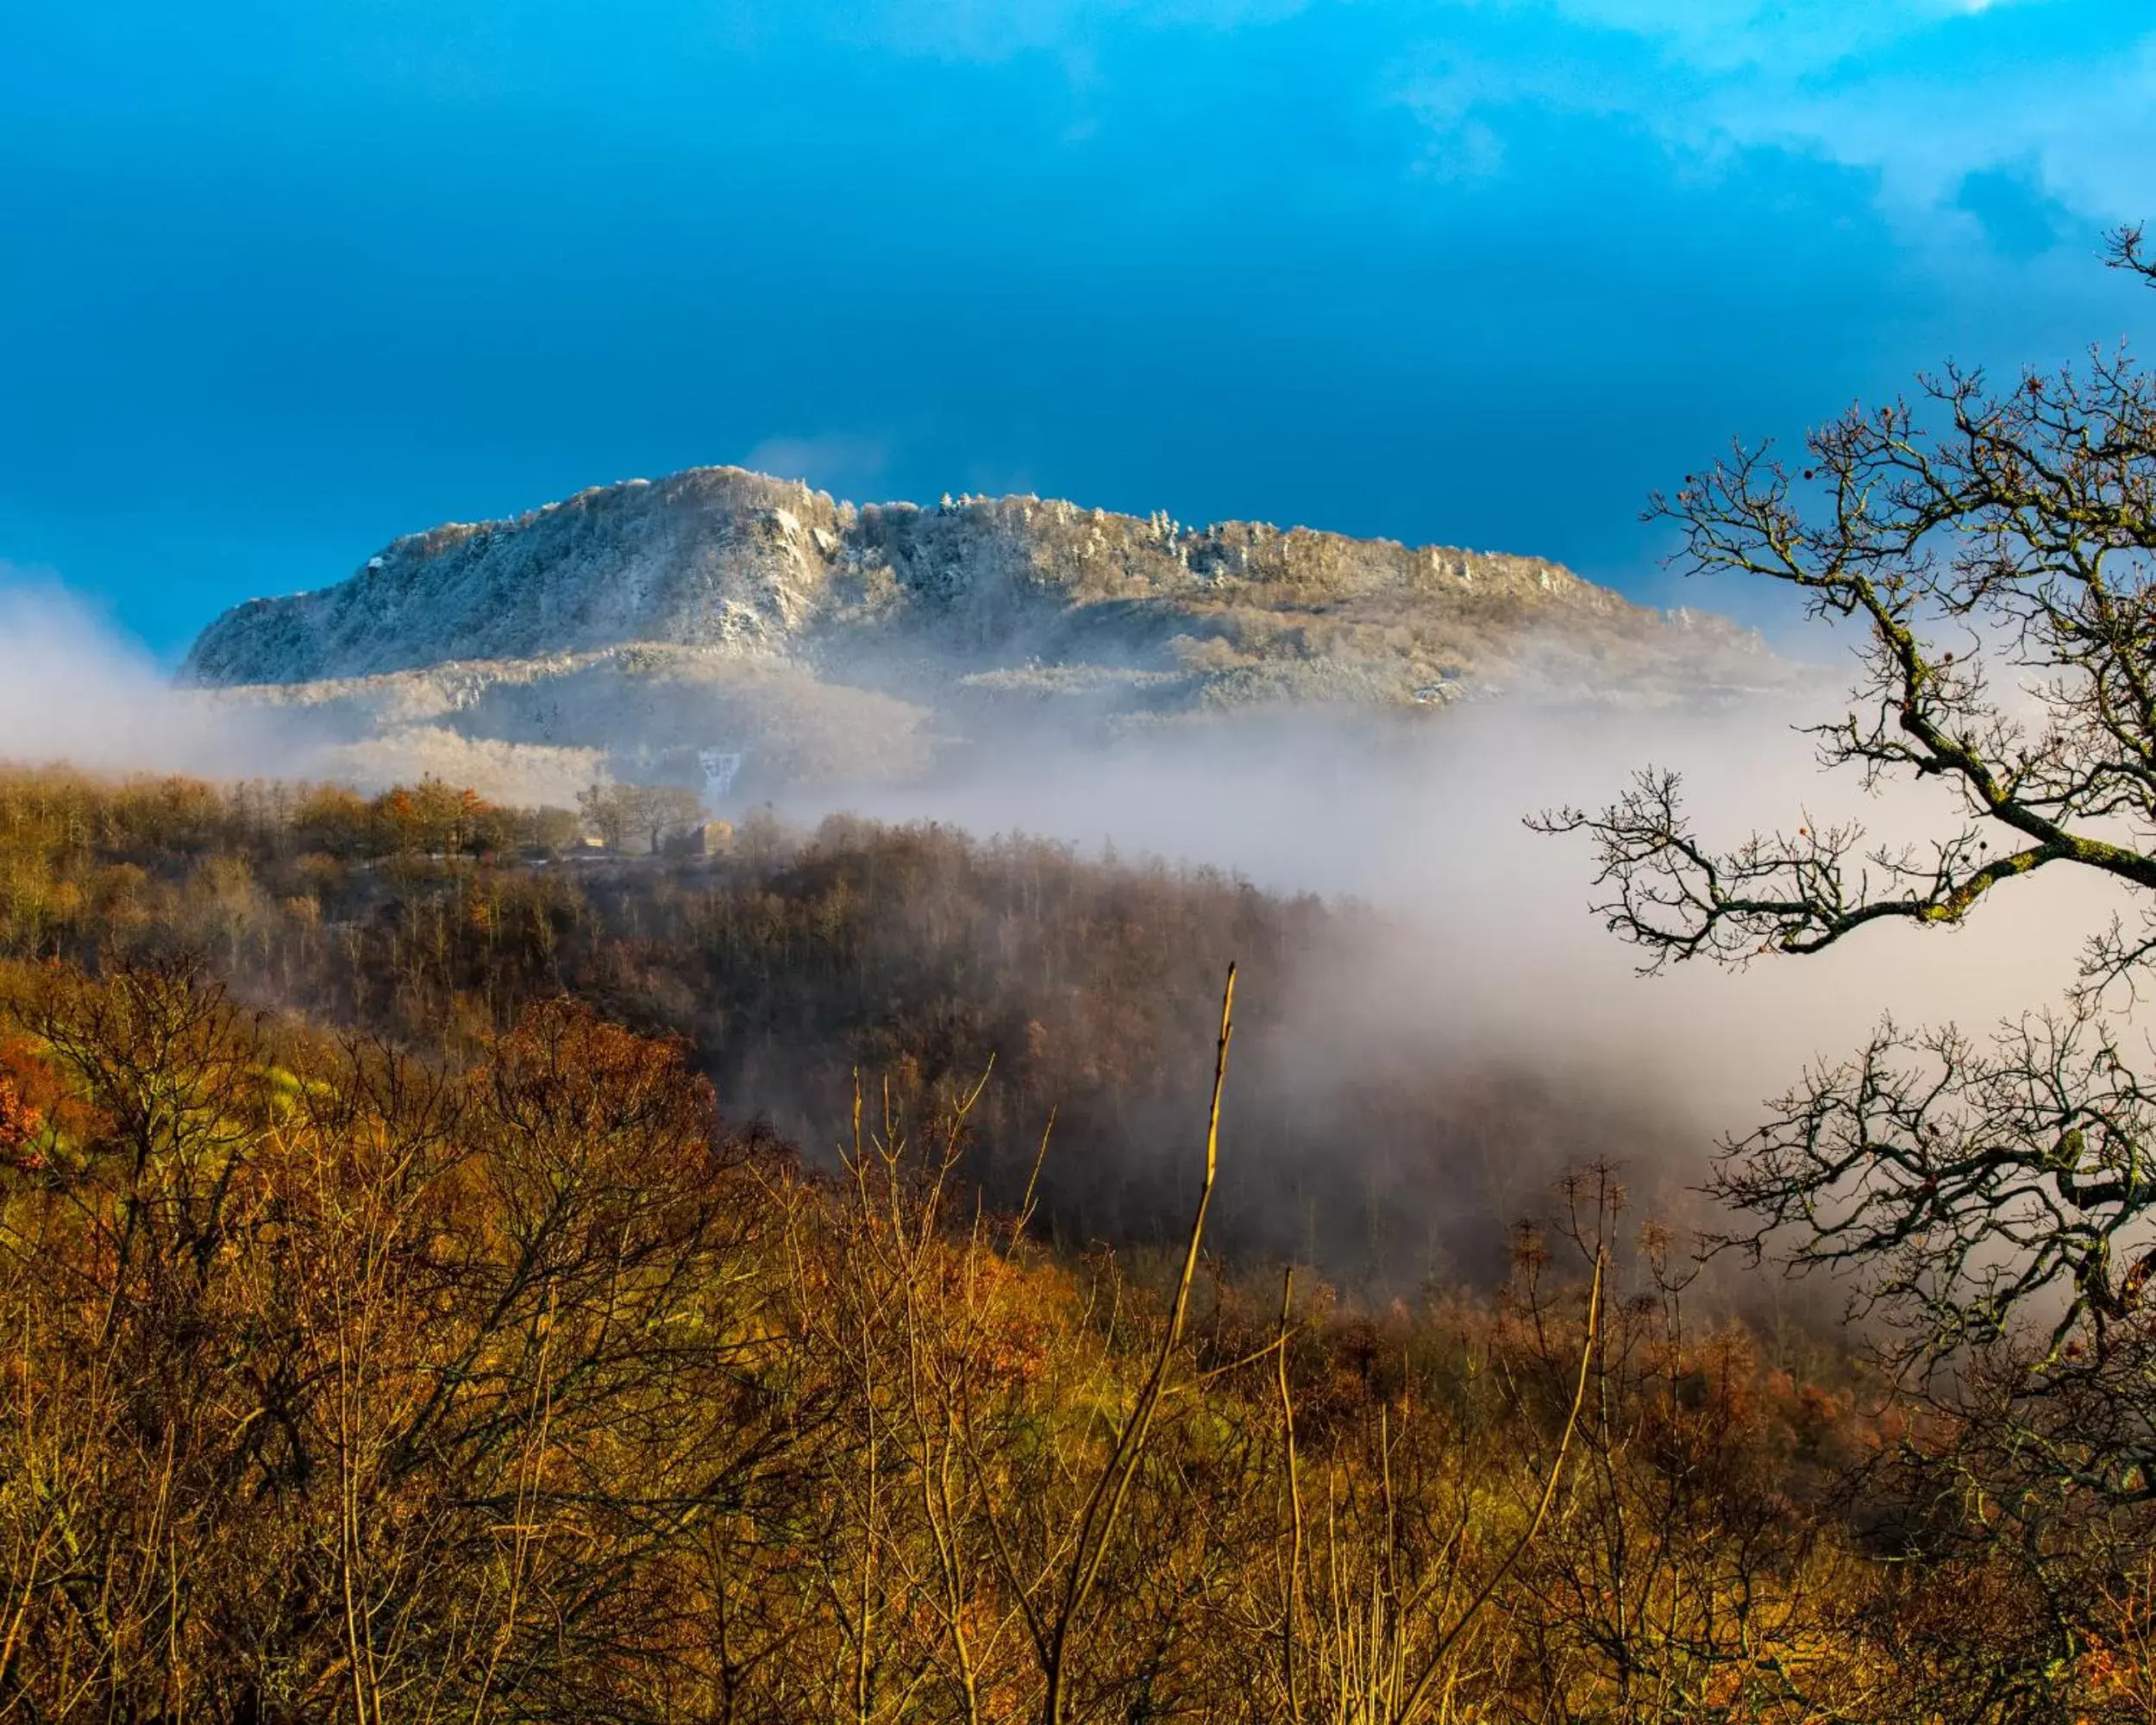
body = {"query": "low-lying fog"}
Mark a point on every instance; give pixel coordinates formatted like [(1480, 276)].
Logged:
[(1488, 953), (1427, 826)]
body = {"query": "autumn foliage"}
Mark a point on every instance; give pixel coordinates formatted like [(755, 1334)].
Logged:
[(916, 953), (351, 1374)]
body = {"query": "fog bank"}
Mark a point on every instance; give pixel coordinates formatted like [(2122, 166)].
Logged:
[(1474, 965)]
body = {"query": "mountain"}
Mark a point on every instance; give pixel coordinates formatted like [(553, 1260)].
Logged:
[(718, 608)]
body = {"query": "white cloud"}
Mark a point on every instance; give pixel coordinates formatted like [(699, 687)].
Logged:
[(994, 29), (2088, 132), (1789, 38), (73, 689), (834, 461), (1921, 93)]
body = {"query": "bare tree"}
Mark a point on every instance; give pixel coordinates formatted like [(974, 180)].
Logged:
[(606, 808), (665, 809), (616, 811), (1992, 543)]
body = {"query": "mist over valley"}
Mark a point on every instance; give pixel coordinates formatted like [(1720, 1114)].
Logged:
[(1337, 908), (1309, 755)]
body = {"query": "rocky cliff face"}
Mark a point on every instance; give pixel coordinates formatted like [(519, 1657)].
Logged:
[(718, 604), (718, 558)]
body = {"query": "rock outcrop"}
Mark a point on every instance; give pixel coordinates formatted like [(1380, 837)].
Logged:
[(718, 604)]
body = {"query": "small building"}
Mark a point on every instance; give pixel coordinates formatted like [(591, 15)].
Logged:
[(704, 839)]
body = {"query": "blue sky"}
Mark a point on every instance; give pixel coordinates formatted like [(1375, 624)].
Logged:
[(282, 279)]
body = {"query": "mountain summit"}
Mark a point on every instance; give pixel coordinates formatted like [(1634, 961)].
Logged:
[(723, 608)]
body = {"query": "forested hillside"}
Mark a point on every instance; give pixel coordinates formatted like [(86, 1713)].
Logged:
[(395, 1328), (916, 957)]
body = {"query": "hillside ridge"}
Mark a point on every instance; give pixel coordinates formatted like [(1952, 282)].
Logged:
[(632, 629), (720, 557)]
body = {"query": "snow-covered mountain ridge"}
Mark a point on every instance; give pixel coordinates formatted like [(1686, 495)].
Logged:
[(717, 557), (725, 609)]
